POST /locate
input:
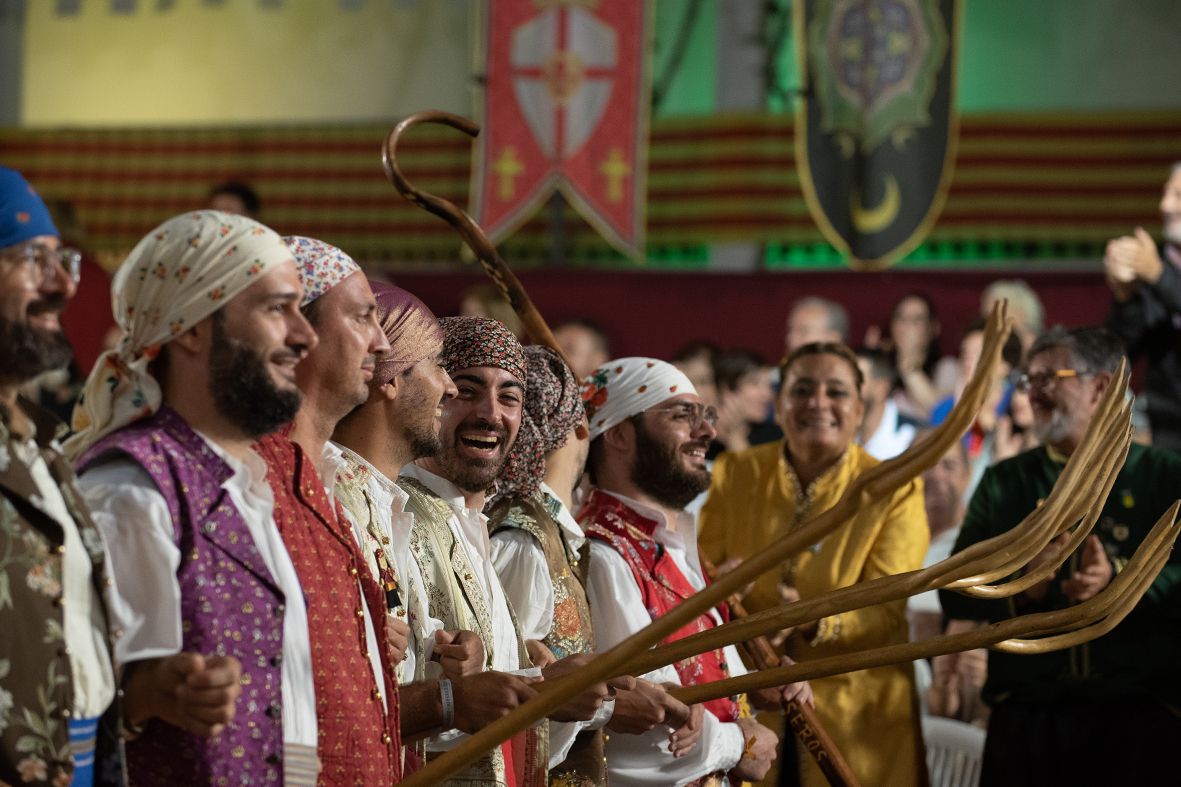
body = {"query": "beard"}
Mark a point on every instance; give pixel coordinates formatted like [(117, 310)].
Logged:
[(26, 351), (658, 470), (419, 433), (243, 391), (472, 474), (1055, 428)]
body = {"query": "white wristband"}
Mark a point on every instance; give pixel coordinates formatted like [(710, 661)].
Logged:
[(447, 697)]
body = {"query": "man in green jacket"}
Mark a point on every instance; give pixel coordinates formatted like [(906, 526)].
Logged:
[(1107, 711)]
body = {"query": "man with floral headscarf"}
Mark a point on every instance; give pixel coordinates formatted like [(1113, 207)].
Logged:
[(398, 424), (649, 433), (537, 549), (450, 543), (56, 674), (352, 661), (215, 645)]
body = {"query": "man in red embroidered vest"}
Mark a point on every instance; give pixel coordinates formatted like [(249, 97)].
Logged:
[(650, 431), (538, 551), (352, 658)]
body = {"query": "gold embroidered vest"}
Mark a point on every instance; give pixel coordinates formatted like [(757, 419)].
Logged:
[(454, 596), (571, 632)]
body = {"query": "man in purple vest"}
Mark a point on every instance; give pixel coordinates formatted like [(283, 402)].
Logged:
[(209, 303)]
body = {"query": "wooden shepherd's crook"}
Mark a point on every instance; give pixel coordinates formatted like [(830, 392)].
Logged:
[(879, 481), (827, 756)]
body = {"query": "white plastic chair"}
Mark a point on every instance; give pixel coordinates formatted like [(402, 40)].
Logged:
[(954, 752)]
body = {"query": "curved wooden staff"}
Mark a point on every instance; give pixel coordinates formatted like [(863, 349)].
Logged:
[(875, 484), (495, 266), (1082, 622), (801, 719), (1084, 484)]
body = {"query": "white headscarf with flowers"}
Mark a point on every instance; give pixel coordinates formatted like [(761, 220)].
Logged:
[(619, 389), (182, 272)]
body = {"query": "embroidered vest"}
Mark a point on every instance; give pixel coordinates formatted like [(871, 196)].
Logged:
[(36, 679), (359, 741), (662, 586), (571, 632), (230, 606), (454, 596)]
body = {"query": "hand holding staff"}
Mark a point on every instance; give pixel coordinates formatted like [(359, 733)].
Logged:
[(801, 719)]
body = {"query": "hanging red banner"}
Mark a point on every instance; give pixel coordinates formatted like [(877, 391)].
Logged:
[(565, 108)]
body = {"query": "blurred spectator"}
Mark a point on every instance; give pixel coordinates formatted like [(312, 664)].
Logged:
[(980, 439), (696, 361), (884, 432), (944, 485), (1146, 313), (924, 378), (484, 300), (585, 343), (89, 316), (237, 197), (1024, 306), (745, 397), (814, 319)]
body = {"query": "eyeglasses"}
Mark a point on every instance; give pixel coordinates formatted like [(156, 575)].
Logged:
[(46, 261), (1026, 381), (694, 413)]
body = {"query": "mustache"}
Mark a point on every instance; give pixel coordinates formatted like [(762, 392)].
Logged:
[(54, 302), (481, 423), (296, 352)]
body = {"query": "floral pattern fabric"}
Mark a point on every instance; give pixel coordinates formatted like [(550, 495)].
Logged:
[(36, 695), (183, 271)]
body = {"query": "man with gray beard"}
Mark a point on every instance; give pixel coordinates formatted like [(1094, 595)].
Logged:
[(56, 671), (1104, 712)]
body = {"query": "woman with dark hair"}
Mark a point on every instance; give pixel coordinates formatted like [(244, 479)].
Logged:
[(745, 396), (761, 494), (923, 377)]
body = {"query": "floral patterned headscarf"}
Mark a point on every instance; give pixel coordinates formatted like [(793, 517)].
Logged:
[(553, 408), (182, 272), (619, 389), (481, 341), (321, 266)]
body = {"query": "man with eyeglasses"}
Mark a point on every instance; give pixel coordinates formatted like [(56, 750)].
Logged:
[(1105, 712), (538, 552), (56, 673), (649, 433)]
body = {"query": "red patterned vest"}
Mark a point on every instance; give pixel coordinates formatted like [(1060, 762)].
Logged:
[(608, 519), (359, 742)]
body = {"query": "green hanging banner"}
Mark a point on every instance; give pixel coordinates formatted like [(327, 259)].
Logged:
[(876, 128)]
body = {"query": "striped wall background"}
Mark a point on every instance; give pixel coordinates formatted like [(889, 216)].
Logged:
[(1025, 186)]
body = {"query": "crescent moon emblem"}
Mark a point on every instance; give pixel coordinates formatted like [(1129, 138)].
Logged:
[(876, 219)]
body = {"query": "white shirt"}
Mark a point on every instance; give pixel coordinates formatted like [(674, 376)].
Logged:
[(890, 439), (470, 528), (618, 609), (524, 573), (84, 630), (134, 517), (395, 521)]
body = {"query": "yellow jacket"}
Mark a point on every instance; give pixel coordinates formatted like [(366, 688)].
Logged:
[(755, 499)]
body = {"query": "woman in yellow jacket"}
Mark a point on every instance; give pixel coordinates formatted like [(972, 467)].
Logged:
[(762, 493)]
